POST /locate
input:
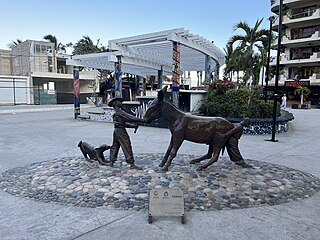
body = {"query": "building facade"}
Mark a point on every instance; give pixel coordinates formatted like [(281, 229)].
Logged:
[(300, 42), (50, 80), (5, 62)]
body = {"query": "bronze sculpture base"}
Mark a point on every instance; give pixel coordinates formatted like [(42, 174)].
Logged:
[(224, 185)]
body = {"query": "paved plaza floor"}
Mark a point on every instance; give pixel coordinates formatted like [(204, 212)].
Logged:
[(33, 142)]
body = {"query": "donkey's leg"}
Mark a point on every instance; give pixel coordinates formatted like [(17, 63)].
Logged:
[(175, 147), (214, 158), (165, 158), (207, 156)]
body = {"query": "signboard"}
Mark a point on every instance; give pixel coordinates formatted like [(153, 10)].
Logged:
[(166, 202), (50, 91), (297, 83)]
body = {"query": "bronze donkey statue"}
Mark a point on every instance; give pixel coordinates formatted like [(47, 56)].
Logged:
[(207, 130)]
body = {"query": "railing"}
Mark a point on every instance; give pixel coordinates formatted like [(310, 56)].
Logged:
[(315, 35), (303, 14), (284, 59), (297, 39), (277, 2)]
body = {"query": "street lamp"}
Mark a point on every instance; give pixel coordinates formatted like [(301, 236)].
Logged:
[(275, 92), (271, 19)]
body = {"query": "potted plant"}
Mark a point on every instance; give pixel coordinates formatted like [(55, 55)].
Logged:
[(303, 92)]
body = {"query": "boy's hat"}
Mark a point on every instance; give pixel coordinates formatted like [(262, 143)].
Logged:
[(113, 100)]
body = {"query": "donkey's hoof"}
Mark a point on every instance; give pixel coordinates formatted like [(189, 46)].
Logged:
[(193, 162), (243, 164), (200, 168), (161, 164), (165, 169)]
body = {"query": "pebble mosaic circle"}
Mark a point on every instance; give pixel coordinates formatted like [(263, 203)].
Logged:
[(224, 185)]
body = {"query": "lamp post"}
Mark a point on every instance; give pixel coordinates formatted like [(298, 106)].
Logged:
[(275, 92), (268, 59)]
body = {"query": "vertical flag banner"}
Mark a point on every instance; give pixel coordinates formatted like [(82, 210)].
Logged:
[(160, 76), (118, 80), (76, 85), (176, 67)]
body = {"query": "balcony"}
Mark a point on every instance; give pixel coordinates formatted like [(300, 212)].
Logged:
[(276, 3), (297, 41), (282, 78), (85, 75), (311, 16), (315, 78), (285, 60)]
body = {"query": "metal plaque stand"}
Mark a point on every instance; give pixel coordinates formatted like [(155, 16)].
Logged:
[(166, 202)]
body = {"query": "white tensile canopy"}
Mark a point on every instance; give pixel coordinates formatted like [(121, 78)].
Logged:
[(145, 54)]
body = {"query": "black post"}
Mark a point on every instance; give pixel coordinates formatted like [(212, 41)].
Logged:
[(38, 92), (14, 91), (275, 93), (268, 62)]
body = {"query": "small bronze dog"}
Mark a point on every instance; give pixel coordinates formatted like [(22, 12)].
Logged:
[(92, 153)]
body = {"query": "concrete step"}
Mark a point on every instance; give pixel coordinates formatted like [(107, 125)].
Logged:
[(95, 112), (83, 116)]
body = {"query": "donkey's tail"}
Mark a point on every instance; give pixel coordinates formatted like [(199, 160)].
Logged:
[(222, 152)]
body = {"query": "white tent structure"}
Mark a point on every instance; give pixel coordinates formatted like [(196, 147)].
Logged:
[(145, 54)]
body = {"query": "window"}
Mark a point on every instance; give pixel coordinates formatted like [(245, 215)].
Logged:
[(307, 32), (37, 48), (50, 65), (43, 49)]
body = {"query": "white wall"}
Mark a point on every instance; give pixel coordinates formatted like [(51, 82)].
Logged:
[(15, 89)]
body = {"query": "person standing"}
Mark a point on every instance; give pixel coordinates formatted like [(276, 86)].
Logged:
[(121, 121), (284, 102)]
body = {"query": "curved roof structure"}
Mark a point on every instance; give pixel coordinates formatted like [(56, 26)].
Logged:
[(145, 54)]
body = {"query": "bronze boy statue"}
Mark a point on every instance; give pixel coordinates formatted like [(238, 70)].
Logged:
[(232, 142), (121, 121)]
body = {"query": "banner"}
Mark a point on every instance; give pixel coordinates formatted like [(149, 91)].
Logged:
[(76, 86), (297, 83), (176, 67)]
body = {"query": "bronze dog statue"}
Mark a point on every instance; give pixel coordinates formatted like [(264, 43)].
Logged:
[(92, 153)]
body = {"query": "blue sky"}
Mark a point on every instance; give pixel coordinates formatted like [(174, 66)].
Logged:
[(69, 20)]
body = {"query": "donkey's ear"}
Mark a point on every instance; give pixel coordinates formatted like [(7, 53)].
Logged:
[(160, 95), (164, 89)]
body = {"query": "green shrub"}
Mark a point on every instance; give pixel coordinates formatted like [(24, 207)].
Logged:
[(225, 101), (262, 109)]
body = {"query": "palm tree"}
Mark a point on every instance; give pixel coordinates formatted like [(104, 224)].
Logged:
[(59, 47), (234, 61), (302, 91), (85, 45), (228, 71), (14, 43), (252, 39)]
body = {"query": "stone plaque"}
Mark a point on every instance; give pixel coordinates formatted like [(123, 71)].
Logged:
[(166, 202)]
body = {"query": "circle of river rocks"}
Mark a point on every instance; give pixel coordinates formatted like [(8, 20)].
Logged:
[(224, 185)]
